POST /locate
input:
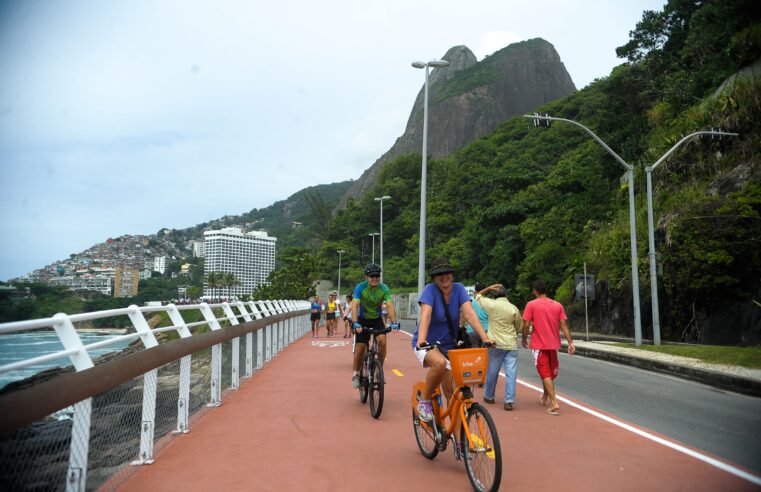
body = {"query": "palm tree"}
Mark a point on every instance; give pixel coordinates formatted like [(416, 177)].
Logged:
[(214, 280), (229, 280)]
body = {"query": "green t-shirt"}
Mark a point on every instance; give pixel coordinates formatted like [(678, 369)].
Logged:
[(371, 299)]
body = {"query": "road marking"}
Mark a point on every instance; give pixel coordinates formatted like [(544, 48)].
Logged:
[(397, 372), (329, 344), (677, 447)]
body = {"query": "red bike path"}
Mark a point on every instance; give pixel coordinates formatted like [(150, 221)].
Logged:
[(298, 424)]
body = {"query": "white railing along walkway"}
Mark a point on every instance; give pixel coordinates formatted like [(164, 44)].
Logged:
[(271, 338)]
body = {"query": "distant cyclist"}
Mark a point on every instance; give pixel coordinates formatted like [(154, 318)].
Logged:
[(366, 313)]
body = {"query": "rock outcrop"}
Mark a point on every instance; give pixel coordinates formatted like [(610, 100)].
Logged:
[(469, 99)]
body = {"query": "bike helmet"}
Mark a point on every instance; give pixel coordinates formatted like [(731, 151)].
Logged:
[(372, 269)]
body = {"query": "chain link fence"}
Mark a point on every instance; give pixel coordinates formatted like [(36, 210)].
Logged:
[(112, 437)]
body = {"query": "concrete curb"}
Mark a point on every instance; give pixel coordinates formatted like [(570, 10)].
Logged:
[(729, 382)]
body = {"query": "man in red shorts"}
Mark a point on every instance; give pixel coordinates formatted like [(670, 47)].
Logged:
[(545, 315)]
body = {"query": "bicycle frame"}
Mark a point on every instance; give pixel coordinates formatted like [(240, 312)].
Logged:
[(459, 402)]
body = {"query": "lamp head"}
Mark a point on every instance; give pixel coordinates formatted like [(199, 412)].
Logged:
[(418, 64), (438, 63)]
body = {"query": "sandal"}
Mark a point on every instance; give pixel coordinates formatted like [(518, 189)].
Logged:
[(552, 411)]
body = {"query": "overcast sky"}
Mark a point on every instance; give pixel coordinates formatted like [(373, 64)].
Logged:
[(123, 117)]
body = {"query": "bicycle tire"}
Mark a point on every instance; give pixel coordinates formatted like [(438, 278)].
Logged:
[(363, 381), (376, 387), (483, 464), (425, 435)]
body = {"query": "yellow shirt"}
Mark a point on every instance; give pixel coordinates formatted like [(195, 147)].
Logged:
[(504, 321)]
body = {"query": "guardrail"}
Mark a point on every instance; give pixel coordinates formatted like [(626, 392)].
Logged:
[(83, 430)]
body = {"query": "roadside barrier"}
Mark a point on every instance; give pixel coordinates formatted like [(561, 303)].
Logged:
[(85, 429)]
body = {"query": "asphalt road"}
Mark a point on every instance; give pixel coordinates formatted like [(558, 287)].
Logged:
[(724, 424)]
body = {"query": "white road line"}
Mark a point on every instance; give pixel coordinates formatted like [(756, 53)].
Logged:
[(677, 447)]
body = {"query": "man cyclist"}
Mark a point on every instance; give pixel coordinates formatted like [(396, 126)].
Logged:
[(366, 313)]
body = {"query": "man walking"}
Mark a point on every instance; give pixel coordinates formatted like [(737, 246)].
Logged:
[(545, 315), (504, 323)]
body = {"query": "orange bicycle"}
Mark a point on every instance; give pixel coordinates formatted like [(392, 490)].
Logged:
[(471, 428)]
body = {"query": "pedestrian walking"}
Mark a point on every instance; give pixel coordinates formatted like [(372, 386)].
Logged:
[(504, 323), (542, 317)]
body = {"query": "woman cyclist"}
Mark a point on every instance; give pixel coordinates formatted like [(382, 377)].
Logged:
[(433, 325)]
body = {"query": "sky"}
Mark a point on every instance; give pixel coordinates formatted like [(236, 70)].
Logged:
[(124, 117)]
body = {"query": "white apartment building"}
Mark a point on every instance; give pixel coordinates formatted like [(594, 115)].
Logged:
[(100, 283), (159, 264), (250, 256), (198, 249)]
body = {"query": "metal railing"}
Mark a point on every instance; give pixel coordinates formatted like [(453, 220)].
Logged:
[(84, 429)]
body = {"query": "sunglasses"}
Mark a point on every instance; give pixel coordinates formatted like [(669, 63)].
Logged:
[(374, 276)]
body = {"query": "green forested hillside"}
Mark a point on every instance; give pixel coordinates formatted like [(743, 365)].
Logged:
[(528, 202)]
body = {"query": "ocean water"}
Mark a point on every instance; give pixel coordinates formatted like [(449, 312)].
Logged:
[(20, 346)]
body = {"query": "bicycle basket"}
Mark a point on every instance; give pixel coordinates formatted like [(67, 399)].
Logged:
[(468, 365)]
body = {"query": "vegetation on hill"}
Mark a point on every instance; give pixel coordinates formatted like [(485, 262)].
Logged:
[(525, 202)]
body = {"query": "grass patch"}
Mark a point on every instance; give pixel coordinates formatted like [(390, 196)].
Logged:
[(749, 357)]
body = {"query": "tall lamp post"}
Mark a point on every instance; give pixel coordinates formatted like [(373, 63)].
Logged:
[(424, 172), (543, 120), (338, 292), (372, 235), (381, 200), (651, 232)]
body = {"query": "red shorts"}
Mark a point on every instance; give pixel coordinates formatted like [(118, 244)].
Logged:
[(546, 363)]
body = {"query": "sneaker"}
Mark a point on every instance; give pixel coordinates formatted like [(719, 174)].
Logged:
[(508, 406), (425, 410), (488, 400), (355, 381)]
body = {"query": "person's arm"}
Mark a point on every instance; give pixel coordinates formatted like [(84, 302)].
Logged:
[(425, 321), (354, 314), (567, 334), (391, 311), (472, 318)]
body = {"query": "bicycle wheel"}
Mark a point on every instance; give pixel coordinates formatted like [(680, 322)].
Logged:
[(425, 435), (483, 461), (376, 387), (363, 374)]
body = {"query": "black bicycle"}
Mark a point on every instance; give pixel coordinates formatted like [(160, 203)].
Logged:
[(371, 380)]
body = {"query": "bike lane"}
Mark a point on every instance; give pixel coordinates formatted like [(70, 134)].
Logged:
[(299, 425)]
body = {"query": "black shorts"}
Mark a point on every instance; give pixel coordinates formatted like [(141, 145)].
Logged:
[(329, 316), (364, 337), (315, 317)]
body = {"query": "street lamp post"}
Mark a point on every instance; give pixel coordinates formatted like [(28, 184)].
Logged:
[(651, 230), (372, 235), (338, 292), (424, 172), (381, 200), (632, 226)]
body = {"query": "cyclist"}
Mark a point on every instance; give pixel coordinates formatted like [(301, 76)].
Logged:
[(438, 297), (366, 313)]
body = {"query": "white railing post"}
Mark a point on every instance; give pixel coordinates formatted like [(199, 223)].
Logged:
[(183, 398), (259, 335), (267, 333), (150, 378), (249, 340), (216, 358), (76, 475), (235, 363)]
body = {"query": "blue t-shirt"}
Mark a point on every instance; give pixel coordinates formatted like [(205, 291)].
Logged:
[(482, 317), (438, 330)]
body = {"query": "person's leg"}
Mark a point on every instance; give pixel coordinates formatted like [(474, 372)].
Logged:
[(358, 354), (492, 373), (437, 370), (549, 391), (510, 366), (382, 348)]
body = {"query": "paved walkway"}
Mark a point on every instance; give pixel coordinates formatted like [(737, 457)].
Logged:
[(299, 425)]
